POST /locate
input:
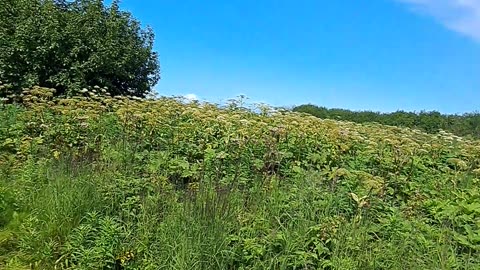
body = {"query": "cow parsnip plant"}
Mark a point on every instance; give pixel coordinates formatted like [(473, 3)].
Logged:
[(100, 182)]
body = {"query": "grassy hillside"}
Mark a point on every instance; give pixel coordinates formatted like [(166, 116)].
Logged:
[(117, 183)]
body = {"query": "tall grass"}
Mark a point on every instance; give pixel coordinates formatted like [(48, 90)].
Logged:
[(169, 186)]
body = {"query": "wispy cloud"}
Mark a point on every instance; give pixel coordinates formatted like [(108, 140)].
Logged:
[(191, 97), (462, 16)]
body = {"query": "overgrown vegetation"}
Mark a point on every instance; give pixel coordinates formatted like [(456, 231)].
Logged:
[(466, 125), (117, 183), (71, 45)]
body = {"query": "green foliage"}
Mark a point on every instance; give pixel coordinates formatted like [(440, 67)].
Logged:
[(431, 122), (70, 45), (119, 183)]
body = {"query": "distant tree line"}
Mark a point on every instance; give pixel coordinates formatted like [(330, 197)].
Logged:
[(466, 125)]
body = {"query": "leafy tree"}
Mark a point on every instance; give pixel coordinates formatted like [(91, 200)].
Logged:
[(69, 45)]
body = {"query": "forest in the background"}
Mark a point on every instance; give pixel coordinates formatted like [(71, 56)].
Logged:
[(466, 125)]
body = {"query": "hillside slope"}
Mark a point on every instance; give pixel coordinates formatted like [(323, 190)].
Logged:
[(117, 183)]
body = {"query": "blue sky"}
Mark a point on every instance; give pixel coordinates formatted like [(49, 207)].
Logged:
[(380, 55)]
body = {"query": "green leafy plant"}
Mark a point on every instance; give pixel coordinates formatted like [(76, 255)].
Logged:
[(99, 182)]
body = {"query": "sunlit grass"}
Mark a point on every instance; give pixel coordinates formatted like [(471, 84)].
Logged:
[(117, 183)]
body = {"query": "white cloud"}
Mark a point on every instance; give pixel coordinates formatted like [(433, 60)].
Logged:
[(462, 16), (190, 97)]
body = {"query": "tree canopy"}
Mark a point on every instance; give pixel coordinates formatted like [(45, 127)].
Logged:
[(70, 45), (467, 125)]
